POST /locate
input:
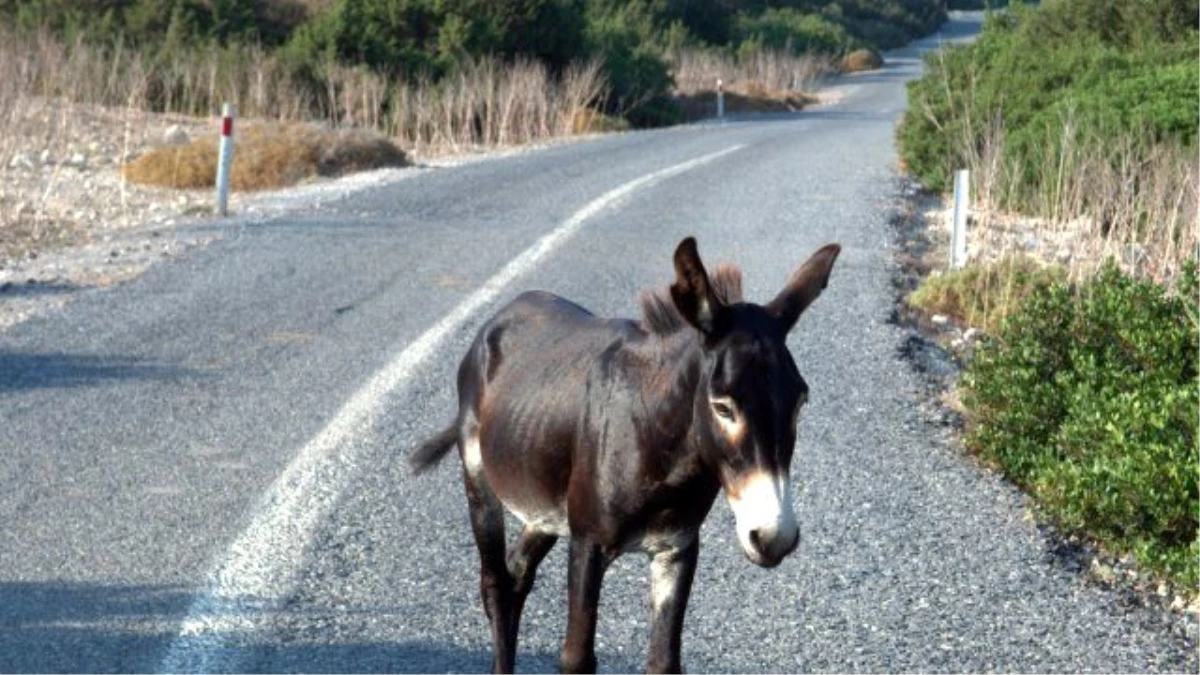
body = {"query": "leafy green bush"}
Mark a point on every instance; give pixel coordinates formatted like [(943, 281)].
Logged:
[(1089, 398), (623, 39), (148, 22), (885, 25), (976, 4), (791, 29), (432, 38), (1107, 68)]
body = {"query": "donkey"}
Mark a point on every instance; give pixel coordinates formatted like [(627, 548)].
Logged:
[(619, 434)]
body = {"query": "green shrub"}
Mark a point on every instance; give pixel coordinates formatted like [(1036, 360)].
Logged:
[(885, 25), (623, 39), (1109, 69), (796, 31), (1089, 399)]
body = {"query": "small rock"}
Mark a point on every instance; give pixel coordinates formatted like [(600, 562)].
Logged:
[(940, 319), (77, 160), (45, 158), (972, 334), (175, 135), (21, 160), (1135, 254)]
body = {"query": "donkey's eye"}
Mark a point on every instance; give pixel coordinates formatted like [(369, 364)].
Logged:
[(723, 410)]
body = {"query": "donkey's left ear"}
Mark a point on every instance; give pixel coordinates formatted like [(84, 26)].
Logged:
[(693, 292), (805, 284)]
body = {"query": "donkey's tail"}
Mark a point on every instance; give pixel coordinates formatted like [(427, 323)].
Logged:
[(433, 450)]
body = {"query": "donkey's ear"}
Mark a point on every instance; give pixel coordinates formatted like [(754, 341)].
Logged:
[(693, 292), (805, 284)]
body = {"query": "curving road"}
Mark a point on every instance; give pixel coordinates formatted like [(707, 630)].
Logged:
[(203, 469)]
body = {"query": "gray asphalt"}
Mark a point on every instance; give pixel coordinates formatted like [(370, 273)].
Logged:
[(140, 426)]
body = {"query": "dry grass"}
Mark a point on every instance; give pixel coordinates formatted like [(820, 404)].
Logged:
[(57, 96), (981, 296), (759, 82), (1130, 199), (490, 104), (698, 70), (1127, 199), (267, 156)]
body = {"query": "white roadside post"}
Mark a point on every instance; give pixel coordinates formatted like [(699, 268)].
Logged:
[(958, 239), (720, 100), (225, 160)]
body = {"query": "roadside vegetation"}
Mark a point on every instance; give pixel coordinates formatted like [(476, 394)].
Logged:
[(1078, 120), (329, 86), (414, 70)]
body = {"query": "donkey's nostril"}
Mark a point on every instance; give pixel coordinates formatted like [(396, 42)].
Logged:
[(756, 540)]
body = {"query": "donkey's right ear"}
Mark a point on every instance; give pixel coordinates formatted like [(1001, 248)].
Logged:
[(693, 292), (804, 286)]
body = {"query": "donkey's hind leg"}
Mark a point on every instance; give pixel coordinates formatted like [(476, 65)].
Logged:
[(523, 560), (495, 583)]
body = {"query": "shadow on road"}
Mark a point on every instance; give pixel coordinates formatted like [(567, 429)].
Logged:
[(13, 290), (60, 626), (24, 371), (48, 627)]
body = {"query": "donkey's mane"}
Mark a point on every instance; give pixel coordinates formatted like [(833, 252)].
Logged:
[(660, 314)]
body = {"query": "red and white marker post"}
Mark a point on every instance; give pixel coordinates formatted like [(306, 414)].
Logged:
[(225, 159)]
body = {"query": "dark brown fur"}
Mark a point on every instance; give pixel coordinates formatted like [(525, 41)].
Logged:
[(605, 430)]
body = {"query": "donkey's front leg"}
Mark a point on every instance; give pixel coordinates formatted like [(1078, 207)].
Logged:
[(671, 575), (584, 575)]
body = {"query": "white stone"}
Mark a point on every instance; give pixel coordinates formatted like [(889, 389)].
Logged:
[(22, 160), (175, 135), (939, 319)]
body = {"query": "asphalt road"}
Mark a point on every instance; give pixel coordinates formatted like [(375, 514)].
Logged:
[(204, 469)]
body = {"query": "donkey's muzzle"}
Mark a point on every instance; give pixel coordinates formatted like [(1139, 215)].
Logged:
[(766, 521), (768, 547)]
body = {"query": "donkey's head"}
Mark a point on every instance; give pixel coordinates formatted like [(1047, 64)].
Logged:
[(749, 394)]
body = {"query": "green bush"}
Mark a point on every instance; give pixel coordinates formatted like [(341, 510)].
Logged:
[(1089, 398), (431, 37), (976, 4), (624, 40), (790, 29), (1108, 68), (885, 25)]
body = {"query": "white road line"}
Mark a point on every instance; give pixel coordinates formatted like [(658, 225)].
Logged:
[(261, 567)]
